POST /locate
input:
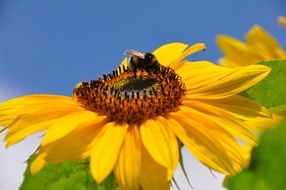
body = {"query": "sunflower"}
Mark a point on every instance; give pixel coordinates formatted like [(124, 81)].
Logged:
[(132, 122), (259, 46), (282, 21)]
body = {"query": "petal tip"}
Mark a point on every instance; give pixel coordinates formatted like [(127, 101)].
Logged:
[(37, 165)]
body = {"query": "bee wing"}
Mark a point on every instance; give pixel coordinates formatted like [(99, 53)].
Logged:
[(130, 53)]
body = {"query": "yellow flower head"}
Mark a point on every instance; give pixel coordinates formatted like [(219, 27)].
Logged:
[(259, 46), (282, 21), (132, 121)]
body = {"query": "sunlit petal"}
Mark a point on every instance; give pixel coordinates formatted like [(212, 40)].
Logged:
[(128, 167), (153, 175), (106, 149), (161, 144), (231, 83), (259, 45), (264, 44)]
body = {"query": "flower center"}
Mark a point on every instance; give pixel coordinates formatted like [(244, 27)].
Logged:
[(132, 97)]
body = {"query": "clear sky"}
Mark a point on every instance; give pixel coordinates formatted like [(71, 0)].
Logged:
[(49, 46)]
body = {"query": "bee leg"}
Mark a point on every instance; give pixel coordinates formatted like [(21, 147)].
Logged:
[(134, 72)]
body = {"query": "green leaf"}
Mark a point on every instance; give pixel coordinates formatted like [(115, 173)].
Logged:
[(65, 176), (270, 92), (267, 170)]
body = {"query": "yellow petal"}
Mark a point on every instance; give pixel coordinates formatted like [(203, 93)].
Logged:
[(209, 143), (227, 63), (38, 164), (16, 108), (260, 124), (240, 107), (168, 53), (30, 114), (246, 152), (36, 118), (200, 73), (264, 44), (32, 99), (127, 170), (230, 83), (77, 144), (105, 151), (66, 124), (190, 50), (236, 51), (161, 144), (13, 137), (175, 52), (153, 175), (233, 125)]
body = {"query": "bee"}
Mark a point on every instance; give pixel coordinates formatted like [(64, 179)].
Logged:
[(146, 61)]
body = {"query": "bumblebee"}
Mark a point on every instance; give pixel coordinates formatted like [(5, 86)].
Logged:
[(146, 61)]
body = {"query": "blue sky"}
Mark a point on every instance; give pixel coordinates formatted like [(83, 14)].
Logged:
[(49, 46)]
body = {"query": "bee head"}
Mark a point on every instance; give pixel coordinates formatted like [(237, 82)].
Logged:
[(150, 58)]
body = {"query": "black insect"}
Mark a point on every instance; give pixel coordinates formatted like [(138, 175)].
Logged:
[(146, 61)]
